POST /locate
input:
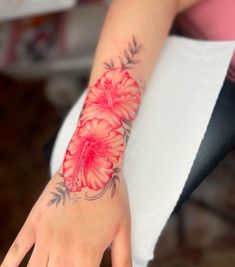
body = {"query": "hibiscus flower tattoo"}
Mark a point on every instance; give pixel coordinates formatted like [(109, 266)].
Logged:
[(91, 155), (115, 98), (97, 147)]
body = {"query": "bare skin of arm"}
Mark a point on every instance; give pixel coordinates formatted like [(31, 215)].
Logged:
[(84, 208)]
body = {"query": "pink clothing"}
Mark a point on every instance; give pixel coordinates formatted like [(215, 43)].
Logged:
[(210, 20)]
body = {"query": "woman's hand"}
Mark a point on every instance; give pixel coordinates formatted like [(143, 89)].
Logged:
[(75, 231)]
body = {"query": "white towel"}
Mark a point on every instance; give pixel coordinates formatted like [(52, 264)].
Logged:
[(172, 120)]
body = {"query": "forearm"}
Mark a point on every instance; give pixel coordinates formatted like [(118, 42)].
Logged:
[(131, 40), (149, 21)]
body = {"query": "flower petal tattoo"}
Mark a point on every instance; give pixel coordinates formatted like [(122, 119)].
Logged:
[(97, 147)]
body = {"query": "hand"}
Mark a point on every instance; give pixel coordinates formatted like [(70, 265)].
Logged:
[(74, 230)]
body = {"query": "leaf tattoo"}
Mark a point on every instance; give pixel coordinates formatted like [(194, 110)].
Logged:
[(61, 194), (128, 58), (109, 65)]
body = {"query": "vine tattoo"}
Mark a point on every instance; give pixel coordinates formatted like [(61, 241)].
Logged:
[(96, 149)]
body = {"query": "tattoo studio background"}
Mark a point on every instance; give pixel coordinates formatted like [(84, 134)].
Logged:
[(31, 112)]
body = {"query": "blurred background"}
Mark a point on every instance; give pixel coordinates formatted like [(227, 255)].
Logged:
[(46, 52)]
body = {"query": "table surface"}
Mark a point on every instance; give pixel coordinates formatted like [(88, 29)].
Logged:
[(10, 9)]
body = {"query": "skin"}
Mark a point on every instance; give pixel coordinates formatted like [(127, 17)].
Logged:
[(77, 232)]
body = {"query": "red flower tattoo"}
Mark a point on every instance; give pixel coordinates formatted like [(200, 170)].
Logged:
[(115, 97), (91, 154), (96, 150)]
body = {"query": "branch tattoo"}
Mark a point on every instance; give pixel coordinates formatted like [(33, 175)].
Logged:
[(94, 154)]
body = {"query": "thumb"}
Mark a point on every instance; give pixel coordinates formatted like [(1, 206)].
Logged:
[(121, 247)]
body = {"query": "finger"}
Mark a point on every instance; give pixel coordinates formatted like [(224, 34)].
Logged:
[(39, 257), (22, 244), (121, 247)]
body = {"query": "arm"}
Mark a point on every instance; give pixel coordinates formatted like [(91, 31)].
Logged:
[(122, 66), (84, 207), (149, 21), (132, 36)]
